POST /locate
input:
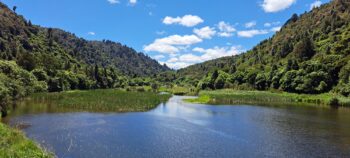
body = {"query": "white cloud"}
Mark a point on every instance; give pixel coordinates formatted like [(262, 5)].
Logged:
[(92, 33), (178, 62), (113, 1), (160, 32), (172, 44), (161, 48), (271, 6), (217, 52), (158, 57), (267, 24), (205, 32), (205, 55), (172, 60), (226, 27), (226, 30), (250, 24), (275, 29), (179, 40), (190, 58), (225, 34), (251, 33), (177, 65), (187, 20), (315, 4), (270, 24), (133, 2)]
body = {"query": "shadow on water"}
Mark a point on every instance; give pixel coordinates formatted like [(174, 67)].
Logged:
[(179, 129)]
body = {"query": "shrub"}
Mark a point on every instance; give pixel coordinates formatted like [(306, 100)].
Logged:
[(334, 102), (40, 74), (140, 89)]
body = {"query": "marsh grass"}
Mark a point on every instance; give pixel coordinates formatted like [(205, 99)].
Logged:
[(13, 144), (266, 97), (179, 90), (100, 100)]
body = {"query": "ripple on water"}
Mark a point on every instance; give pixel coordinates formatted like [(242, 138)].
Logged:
[(178, 129)]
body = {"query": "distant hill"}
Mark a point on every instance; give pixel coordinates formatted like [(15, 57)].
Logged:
[(38, 59), (19, 36), (310, 54)]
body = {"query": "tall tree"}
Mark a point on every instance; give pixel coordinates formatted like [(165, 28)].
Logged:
[(14, 8)]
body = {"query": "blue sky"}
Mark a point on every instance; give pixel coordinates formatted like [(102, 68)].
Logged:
[(176, 32)]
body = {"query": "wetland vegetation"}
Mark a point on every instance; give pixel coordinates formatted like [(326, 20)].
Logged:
[(13, 144), (228, 96), (109, 100)]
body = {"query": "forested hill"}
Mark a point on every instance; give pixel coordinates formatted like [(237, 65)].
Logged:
[(19, 37), (37, 59), (310, 54)]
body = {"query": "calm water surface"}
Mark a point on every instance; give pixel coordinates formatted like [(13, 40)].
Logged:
[(178, 129)]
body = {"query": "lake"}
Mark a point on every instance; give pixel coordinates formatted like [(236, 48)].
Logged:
[(179, 129)]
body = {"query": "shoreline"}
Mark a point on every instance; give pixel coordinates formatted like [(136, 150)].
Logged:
[(234, 97), (14, 143)]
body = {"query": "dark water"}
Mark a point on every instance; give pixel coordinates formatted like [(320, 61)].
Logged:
[(178, 129)]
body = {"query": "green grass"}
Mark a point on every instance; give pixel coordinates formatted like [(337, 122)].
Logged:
[(179, 90), (13, 144), (202, 99), (101, 100), (266, 97)]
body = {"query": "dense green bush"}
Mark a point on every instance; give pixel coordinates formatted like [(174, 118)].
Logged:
[(16, 82), (310, 54)]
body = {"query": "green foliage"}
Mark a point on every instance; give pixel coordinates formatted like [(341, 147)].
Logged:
[(16, 82), (308, 55), (154, 87), (40, 74), (334, 102), (304, 49), (14, 144)]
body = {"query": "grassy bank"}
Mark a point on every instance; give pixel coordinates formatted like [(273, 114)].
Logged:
[(100, 100), (13, 144), (266, 97)]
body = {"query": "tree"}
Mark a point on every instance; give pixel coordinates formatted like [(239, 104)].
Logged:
[(287, 81), (30, 23), (49, 32), (233, 69), (260, 82), (294, 18), (97, 76), (215, 75), (14, 8), (55, 85), (286, 49), (27, 61), (40, 75), (2, 46), (154, 87), (304, 49), (220, 82)]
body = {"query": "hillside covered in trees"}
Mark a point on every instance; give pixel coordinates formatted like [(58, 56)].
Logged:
[(310, 54), (36, 59)]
